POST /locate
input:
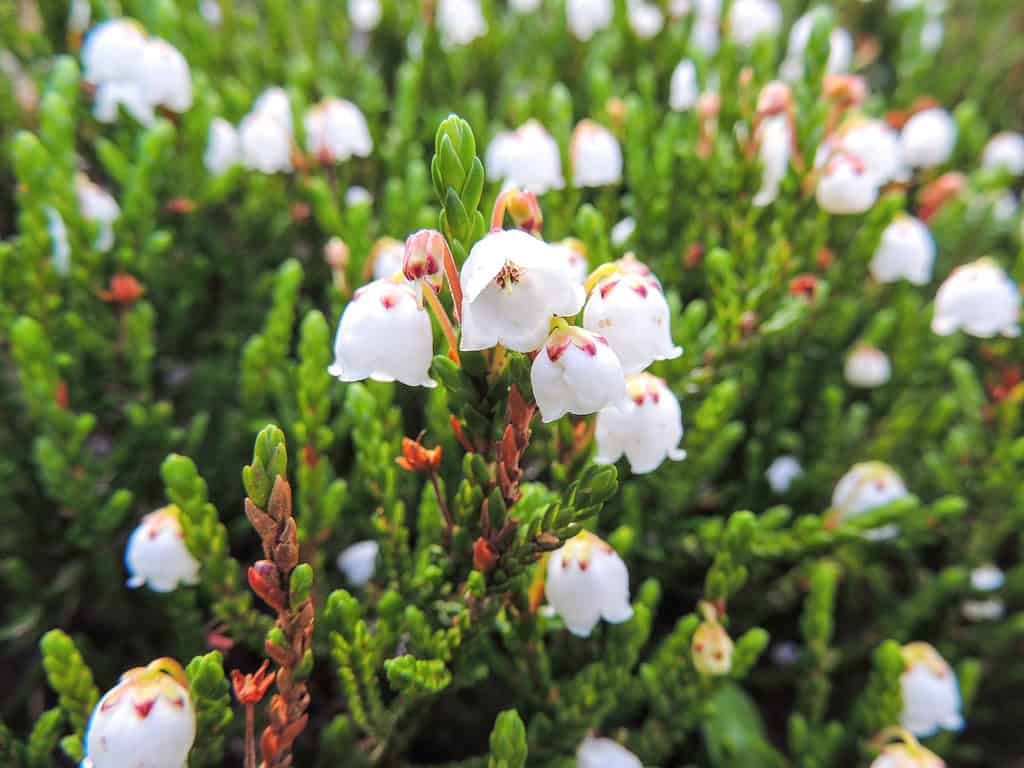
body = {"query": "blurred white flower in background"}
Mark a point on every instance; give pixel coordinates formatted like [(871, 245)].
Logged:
[(605, 753), (845, 186), (156, 554), (586, 17), (782, 472), (905, 252), (867, 367), (774, 141), (931, 695), (1005, 150), (928, 138), (527, 157), (97, 205), (684, 89), (336, 130), (460, 22), (840, 53), (595, 155), (980, 299), (645, 18), (359, 561), (222, 147), (364, 14), (751, 19)]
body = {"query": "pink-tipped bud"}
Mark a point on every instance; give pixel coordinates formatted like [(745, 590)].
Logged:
[(424, 257), (522, 207), (774, 99)]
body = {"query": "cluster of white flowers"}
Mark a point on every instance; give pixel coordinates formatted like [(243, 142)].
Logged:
[(130, 69), (335, 129)]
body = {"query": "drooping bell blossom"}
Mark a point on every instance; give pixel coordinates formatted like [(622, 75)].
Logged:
[(867, 367), (705, 36), (782, 472), (358, 562), (774, 142), (524, 6), (156, 554), (387, 256), (273, 102), (845, 186), (1006, 151), (364, 14), (527, 157), (336, 130), (112, 96), (840, 51), (867, 486), (605, 753), (222, 147), (622, 231), (165, 79), (460, 22), (711, 647), (928, 138), (931, 695), (987, 578), (577, 372), (575, 254), (911, 755), (751, 19), (587, 581), (385, 335), (112, 51), (875, 144), (629, 309), (60, 248), (645, 18), (423, 258), (265, 142), (586, 17), (684, 90), (905, 252), (595, 155), (647, 426), (512, 286), (980, 299), (99, 206), (357, 195), (145, 721)]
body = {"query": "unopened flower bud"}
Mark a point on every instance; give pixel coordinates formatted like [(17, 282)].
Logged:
[(156, 554), (521, 207), (424, 258), (711, 647), (145, 721), (587, 581)]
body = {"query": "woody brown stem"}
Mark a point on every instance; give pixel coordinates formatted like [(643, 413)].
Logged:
[(270, 579)]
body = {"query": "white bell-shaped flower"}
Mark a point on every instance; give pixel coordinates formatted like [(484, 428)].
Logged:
[(645, 18), (357, 195), (527, 158), (979, 298), (931, 695), (111, 96), (512, 285), (987, 578), (112, 51), (905, 252), (928, 138), (605, 753), (840, 51), (774, 141), (99, 206), (266, 144), (587, 581), (751, 19), (684, 90), (705, 35), (577, 372), (156, 554), (222, 147), (164, 76), (586, 17), (845, 186), (145, 721), (524, 6), (907, 756), (336, 130), (782, 472), (1006, 151), (60, 247), (867, 367), (460, 22), (387, 257), (877, 145), (385, 335), (646, 426), (359, 561), (364, 14), (867, 486), (629, 309), (575, 255), (595, 155), (274, 103), (622, 231)]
